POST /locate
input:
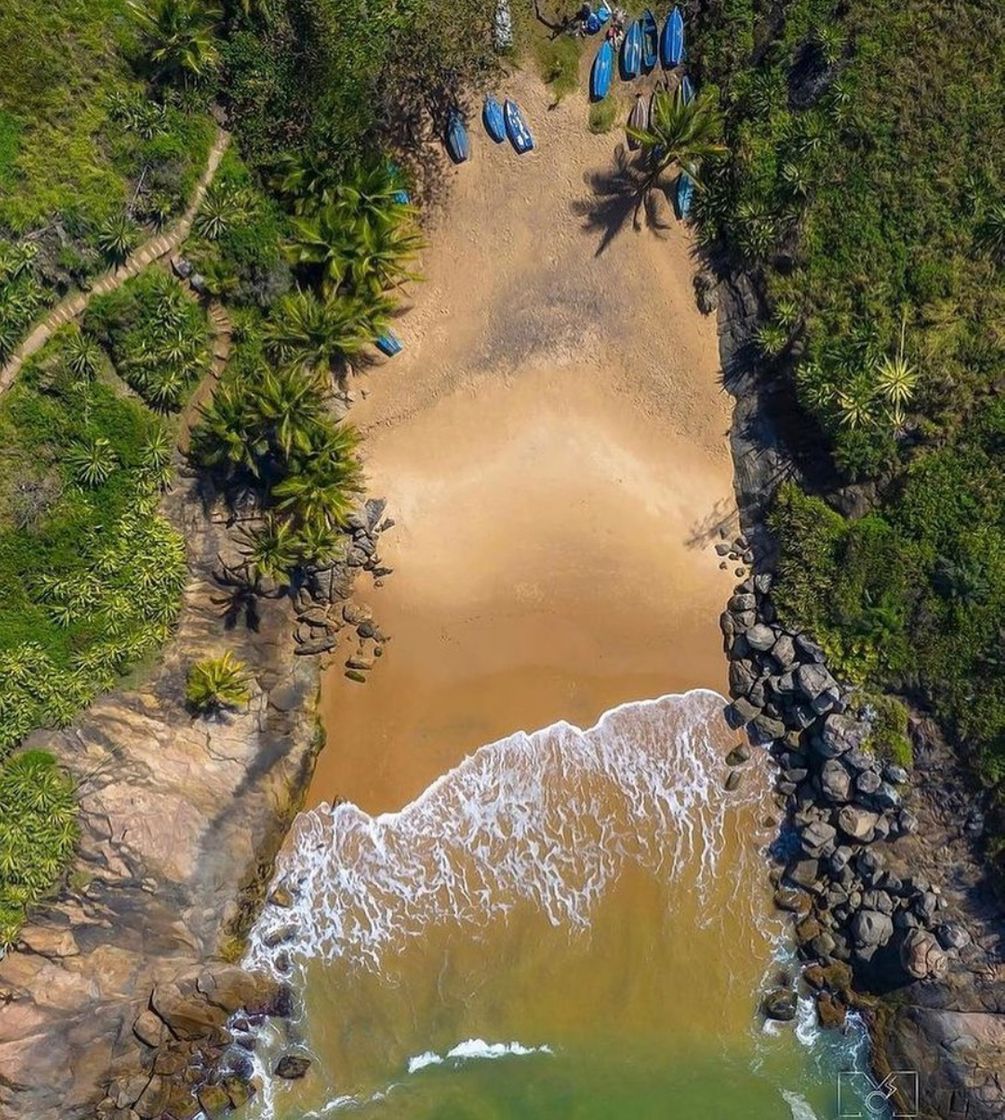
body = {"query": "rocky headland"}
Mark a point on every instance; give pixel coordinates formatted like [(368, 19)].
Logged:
[(882, 870), (121, 999)]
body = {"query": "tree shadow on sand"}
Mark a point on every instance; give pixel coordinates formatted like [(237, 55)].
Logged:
[(618, 198)]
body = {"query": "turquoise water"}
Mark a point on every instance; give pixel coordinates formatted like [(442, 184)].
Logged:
[(569, 924)]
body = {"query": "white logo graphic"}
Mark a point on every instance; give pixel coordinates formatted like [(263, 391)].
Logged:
[(862, 1098)]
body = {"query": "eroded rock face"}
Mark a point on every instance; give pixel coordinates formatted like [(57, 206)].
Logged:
[(180, 820)]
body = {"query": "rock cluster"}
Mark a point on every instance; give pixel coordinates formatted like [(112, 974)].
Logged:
[(842, 803), (324, 612)]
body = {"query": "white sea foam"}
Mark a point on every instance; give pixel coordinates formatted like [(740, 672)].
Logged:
[(549, 819), (799, 1106), (474, 1049)]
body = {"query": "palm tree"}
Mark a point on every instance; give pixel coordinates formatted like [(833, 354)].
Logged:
[(323, 331), (896, 378), (83, 355), (323, 238), (179, 36), (217, 683), (990, 236), (222, 209), (854, 404), (681, 134), (288, 404), (271, 548), (323, 487), (380, 251), (117, 237)]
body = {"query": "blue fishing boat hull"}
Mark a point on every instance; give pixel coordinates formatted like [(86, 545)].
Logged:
[(389, 344), (631, 52), (686, 90), (684, 195), (457, 140), (650, 40), (492, 117), (516, 128), (672, 40), (602, 72)]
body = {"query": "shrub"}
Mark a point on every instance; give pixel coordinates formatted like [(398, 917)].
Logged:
[(217, 683), (38, 833)]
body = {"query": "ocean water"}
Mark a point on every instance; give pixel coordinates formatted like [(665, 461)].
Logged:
[(568, 924)]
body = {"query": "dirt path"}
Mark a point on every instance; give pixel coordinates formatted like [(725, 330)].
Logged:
[(73, 305)]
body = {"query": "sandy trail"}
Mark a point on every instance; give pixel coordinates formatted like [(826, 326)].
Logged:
[(552, 445)]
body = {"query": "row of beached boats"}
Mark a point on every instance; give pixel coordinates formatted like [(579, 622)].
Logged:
[(502, 122), (643, 45)]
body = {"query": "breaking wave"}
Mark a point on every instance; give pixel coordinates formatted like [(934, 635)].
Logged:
[(548, 819)]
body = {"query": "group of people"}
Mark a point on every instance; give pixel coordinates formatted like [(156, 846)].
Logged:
[(589, 22)]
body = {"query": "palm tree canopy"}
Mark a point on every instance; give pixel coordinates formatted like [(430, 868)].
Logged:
[(682, 133)]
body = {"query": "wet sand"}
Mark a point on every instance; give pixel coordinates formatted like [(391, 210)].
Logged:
[(552, 447)]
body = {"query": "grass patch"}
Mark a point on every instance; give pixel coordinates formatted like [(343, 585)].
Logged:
[(604, 114), (558, 63)]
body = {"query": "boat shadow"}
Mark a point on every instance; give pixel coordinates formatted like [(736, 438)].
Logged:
[(617, 199)]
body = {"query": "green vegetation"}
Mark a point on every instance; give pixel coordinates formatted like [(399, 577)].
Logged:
[(157, 336), (682, 134), (558, 62), (38, 832), (604, 114), (217, 683), (865, 185)]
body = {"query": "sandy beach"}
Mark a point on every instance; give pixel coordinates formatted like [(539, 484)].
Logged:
[(552, 447)]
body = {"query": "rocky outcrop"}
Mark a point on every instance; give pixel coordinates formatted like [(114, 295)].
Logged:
[(116, 1003), (882, 875)]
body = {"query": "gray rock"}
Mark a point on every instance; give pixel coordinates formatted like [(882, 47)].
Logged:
[(738, 755), (727, 624), (761, 637), (895, 774), (835, 781), (740, 712), (783, 652), (867, 782), (723, 549), (802, 716), (791, 900), (762, 583), (839, 859), (817, 838), (809, 649), (796, 774), (886, 796), (952, 936), (780, 1004), (925, 906), (840, 733), (907, 822), (292, 1068), (858, 759), (859, 824), (814, 679), (742, 602), (922, 957), (871, 928), (877, 900), (804, 873), (766, 729), (733, 780), (280, 935), (374, 508)]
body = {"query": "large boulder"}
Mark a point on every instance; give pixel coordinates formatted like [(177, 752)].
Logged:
[(922, 957), (291, 1067), (814, 680), (186, 1015), (761, 637), (742, 675), (835, 781), (871, 929), (859, 824), (817, 838), (780, 1004), (840, 734)]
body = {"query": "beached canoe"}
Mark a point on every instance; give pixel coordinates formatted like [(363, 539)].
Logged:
[(672, 40), (684, 195), (686, 90), (631, 52), (388, 343), (516, 128), (602, 72), (650, 40), (492, 117), (638, 119), (456, 138)]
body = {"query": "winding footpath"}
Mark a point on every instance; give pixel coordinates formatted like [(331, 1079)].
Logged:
[(154, 249)]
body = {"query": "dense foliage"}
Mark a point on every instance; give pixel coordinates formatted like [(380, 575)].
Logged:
[(38, 831), (157, 336), (866, 186), (217, 683)]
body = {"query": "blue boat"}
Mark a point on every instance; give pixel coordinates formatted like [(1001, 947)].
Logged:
[(492, 116), (602, 72), (603, 13), (516, 128), (389, 343), (631, 52), (650, 40), (672, 40), (686, 90), (685, 195), (458, 144), (403, 198)]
